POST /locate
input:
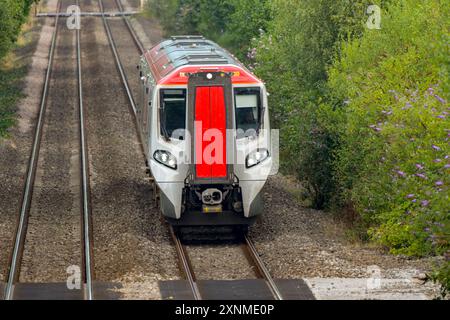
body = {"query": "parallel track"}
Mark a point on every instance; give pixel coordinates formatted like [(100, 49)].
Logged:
[(249, 250), (182, 253), (17, 253), (262, 269), (136, 40), (16, 257), (87, 217), (186, 264), (119, 63)]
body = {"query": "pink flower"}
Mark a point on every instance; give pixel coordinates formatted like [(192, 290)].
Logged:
[(439, 183), (401, 173), (421, 175), (374, 127), (419, 166), (425, 203), (441, 100), (436, 147)]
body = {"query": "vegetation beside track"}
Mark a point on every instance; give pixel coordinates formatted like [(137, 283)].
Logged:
[(10, 89), (13, 14), (363, 112)]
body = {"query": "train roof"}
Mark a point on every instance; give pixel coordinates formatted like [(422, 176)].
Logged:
[(193, 54)]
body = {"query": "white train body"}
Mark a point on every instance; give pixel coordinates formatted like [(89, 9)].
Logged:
[(204, 123)]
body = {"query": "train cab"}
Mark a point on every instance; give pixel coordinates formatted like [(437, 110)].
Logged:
[(204, 122)]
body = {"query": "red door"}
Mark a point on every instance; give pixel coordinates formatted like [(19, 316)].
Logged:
[(210, 132)]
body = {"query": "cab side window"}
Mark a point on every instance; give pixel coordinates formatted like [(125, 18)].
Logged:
[(173, 113), (248, 113)]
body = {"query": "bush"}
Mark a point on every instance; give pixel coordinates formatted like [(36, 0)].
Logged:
[(442, 276), (13, 14), (231, 23), (292, 58), (165, 11), (11, 20), (10, 79), (249, 19), (363, 114), (393, 158)]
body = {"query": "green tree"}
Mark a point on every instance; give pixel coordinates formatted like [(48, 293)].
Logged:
[(248, 21), (390, 164), (165, 11), (302, 40), (231, 23), (12, 15)]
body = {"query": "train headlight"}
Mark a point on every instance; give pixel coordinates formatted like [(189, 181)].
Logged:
[(165, 158), (256, 157)]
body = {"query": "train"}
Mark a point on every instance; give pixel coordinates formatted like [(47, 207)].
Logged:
[(203, 119)]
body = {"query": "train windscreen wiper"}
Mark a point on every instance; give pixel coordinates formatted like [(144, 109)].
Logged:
[(262, 110), (162, 114)]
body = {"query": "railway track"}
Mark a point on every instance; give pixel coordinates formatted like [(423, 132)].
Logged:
[(261, 267), (117, 5), (249, 251), (117, 60), (182, 252), (87, 217), (196, 286), (54, 290), (13, 271)]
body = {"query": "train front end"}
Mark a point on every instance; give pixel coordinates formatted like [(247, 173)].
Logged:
[(212, 171), (211, 151)]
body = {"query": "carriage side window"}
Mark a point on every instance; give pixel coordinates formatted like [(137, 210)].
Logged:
[(248, 111), (173, 113)]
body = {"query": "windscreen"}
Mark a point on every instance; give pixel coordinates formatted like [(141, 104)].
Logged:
[(173, 113), (248, 110)]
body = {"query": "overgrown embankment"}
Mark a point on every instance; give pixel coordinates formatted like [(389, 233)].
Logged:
[(13, 14), (360, 94)]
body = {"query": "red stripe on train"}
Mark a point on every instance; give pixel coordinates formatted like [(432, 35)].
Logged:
[(210, 135)]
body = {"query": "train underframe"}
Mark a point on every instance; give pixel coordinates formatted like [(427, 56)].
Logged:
[(212, 205)]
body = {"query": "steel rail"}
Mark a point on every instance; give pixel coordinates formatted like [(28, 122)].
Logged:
[(16, 256), (136, 40), (87, 14), (117, 59), (87, 245), (133, 108), (186, 264), (262, 268)]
